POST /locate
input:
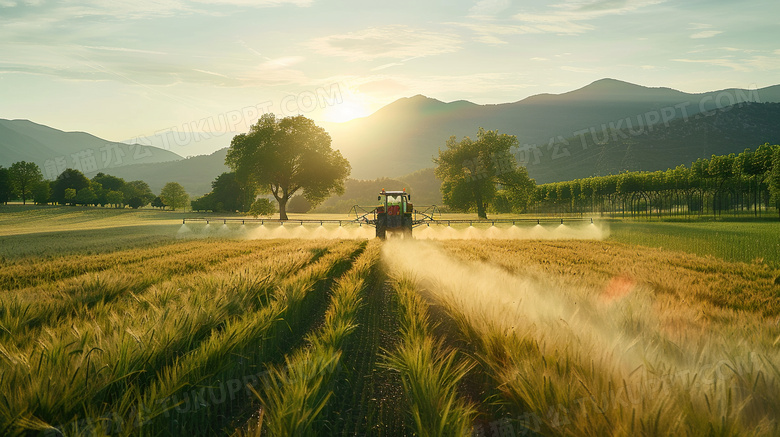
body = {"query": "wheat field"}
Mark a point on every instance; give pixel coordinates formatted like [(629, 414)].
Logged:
[(144, 332)]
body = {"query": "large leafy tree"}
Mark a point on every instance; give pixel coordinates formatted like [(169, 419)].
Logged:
[(227, 194), (287, 156), (137, 193), (174, 195), (473, 172), (42, 192), (70, 178), (24, 177)]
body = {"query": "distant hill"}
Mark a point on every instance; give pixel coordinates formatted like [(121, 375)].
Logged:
[(195, 174), (403, 136), (682, 141), (54, 150)]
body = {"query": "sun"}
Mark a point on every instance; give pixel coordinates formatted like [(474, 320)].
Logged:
[(350, 107)]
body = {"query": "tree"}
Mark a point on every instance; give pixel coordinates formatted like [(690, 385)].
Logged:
[(227, 194), (774, 179), (137, 190), (70, 195), (262, 206), (24, 176), (42, 192), (5, 185), (86, 196), (116, 198), (471, 171), (69, 178), (157, 203), (283, 157), (110, 183), (227, 189), (174, 195), (135, 202), (204, 203)]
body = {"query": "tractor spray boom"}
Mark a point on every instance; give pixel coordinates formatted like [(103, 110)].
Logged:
[(395, 214)]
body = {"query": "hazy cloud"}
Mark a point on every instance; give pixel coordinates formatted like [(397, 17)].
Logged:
[(489, 7), (746, 65), (705, 34), (579, 69), (396, 41), (565, 17), (258, 3)]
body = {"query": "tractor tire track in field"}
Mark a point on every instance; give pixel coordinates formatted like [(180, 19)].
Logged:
[(369, 400)]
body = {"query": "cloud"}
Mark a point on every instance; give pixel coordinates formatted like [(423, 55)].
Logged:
[(384, 66), (579, 69), (124, 49), (569, 18), (697, 26), (148, 68), (746, 65), (489, 7), (706, 34), (258, 3), (387, 42), (565, 17)]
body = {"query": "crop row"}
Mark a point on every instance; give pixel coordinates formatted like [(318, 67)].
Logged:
[(591, 361), (430, 373), (295, 393), (25, 312), (119, 367)]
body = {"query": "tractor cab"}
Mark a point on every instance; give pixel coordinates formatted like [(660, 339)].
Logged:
[(394, 213), (394, 202)]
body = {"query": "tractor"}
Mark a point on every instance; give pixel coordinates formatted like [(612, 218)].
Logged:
[(394, 214)]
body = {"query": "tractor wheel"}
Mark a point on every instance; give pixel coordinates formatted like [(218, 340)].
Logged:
[(381, 226), (407, 227)]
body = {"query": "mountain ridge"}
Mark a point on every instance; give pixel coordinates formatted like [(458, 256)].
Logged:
[(54, 150)]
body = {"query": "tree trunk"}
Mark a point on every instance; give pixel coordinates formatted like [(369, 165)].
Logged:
[(480, 205), (282, 208)]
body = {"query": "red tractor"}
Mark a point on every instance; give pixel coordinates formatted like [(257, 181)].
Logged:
[(394, 214)]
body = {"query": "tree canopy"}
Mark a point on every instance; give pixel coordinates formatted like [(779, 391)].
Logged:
[(227, 194), (70, 178), (285, 156), (473, 172), (174, 195), (24, 177)]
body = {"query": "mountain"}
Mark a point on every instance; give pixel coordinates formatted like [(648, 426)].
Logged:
[(54, 150), (662, 146), (195, 174), (605, 127), (405, 135)]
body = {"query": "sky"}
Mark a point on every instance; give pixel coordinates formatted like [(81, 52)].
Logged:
[(141, 69)]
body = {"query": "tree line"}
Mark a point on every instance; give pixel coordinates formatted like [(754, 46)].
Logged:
[(24, 181), (734, 183), (482, 176), (278, 157)]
